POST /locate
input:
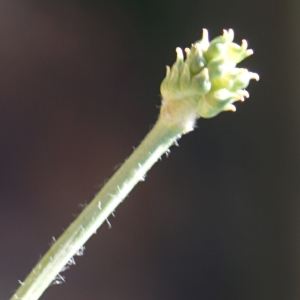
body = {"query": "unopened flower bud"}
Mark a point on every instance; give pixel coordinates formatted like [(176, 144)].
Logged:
[(208, 77)]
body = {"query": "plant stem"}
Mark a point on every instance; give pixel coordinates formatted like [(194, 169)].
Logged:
[(204, 84), (156, 143)]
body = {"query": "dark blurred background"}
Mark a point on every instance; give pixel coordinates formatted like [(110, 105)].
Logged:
[(79, 87)]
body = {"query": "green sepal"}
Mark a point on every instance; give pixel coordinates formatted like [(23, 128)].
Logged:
[(185, 80), (195, 59), (200, 83), (217, 48), (213, 103), (219, 66)]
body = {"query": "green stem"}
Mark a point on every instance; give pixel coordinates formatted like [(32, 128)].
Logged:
[(188, 93), (156, 143)]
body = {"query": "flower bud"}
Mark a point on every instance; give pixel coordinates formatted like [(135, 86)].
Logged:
[(208, 77)]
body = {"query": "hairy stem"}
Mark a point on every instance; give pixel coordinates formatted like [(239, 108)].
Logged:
[(156, 143), (206, 83)]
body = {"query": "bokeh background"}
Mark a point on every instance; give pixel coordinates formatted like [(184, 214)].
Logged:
[(79, 88)]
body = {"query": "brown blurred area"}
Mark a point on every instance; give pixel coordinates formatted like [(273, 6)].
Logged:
[(79, 88)]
